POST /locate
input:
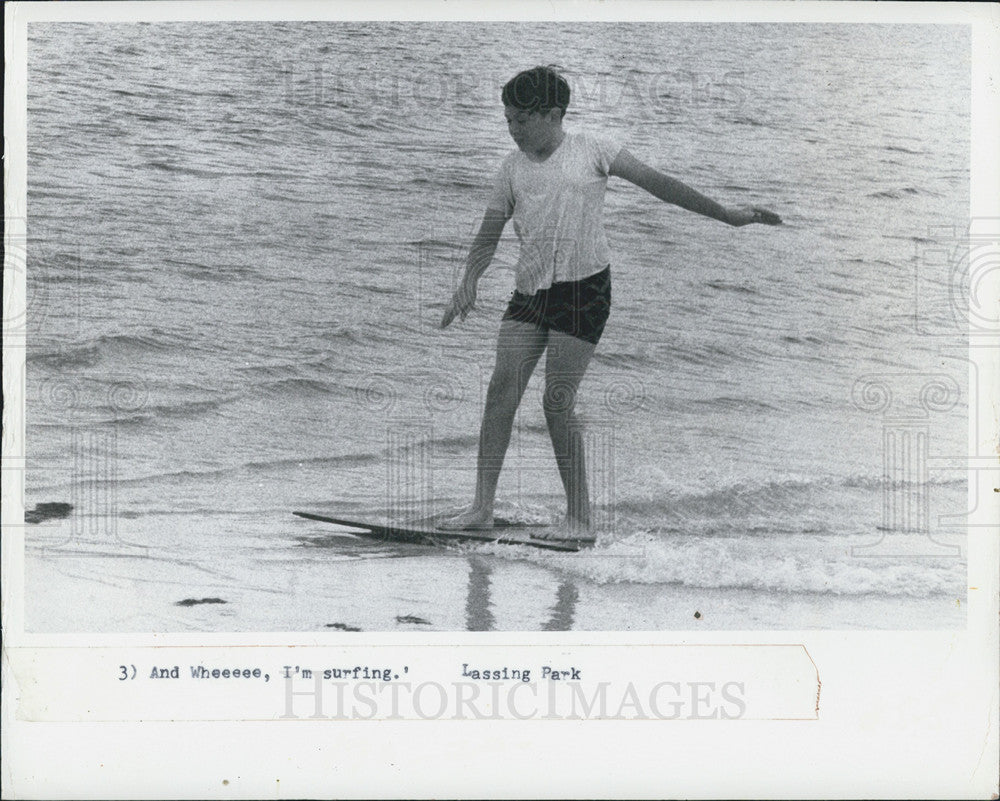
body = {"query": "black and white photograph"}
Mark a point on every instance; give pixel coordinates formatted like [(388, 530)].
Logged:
[(661, 324), (363, 271)]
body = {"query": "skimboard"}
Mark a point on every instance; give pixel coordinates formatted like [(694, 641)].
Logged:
[(424, 533)]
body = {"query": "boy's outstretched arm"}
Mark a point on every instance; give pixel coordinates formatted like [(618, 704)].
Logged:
[(673, 191), (479, 258)]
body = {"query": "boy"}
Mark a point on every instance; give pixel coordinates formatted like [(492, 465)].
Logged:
[(553, 188)]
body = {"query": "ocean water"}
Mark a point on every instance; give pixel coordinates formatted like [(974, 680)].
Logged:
[(241, 237)]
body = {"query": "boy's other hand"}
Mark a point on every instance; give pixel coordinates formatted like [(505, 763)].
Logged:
[(462, 302), (744, 215)]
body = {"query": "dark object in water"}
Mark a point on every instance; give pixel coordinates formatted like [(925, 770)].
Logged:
[(54, 510), (412, 619), (196, 601), (342, 627)]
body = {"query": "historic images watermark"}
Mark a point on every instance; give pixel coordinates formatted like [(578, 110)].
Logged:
[(642, 94), (906, 461), (41, 279), (549, 696), (952, 271), (20, 298), (90, 464), (42, 307), (952, 268)]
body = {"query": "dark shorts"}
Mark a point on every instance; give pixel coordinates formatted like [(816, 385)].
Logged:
[(577, 308)]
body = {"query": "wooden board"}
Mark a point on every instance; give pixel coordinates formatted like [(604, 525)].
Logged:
[(503, 532)]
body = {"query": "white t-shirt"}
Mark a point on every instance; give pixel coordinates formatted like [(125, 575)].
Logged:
[(558, 209)]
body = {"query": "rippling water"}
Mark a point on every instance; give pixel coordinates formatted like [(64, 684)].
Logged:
[(242, 236)]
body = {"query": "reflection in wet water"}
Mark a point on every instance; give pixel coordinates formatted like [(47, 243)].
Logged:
[(478, 605), (478, 616), (564, 608)]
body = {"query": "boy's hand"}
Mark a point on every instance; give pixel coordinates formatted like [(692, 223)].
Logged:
[(744, 215), (462, 302)]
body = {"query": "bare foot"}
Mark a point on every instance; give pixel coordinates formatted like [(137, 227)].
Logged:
[(469, 520), (567, 529)]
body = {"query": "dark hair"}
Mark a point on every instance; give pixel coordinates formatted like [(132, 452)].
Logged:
[(537, 89)]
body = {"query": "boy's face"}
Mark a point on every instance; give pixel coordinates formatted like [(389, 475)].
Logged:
[(532, 130)]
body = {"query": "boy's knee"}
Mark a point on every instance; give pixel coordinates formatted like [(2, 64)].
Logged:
[(507, 372)]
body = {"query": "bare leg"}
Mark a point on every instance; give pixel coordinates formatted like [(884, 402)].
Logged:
[(519, 347), (565, 365)]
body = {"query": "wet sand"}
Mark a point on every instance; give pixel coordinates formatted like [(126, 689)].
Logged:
[(171, 573)]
